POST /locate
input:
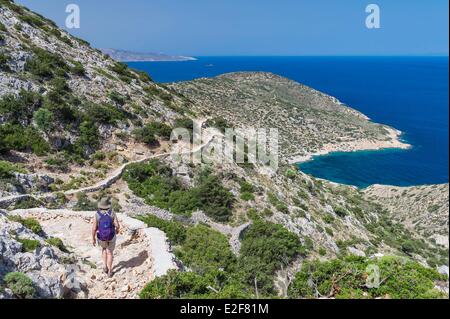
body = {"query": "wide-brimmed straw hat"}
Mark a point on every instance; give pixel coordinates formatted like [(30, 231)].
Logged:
[(104, 203)]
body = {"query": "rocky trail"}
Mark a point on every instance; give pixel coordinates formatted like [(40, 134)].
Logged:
[(141, 253), (105, 183)]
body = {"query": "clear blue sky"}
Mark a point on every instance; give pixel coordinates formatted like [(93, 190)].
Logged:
[(258, 27)]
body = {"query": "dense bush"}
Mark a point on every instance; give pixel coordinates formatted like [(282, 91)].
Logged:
[(346, 278), (266, 247), (29, 245), (45, 64), (219, 123), (30, 223), (17, 134), (123, 71), (143, 76), (15, 137), (3, 28), (20, 109), (206, 250), (44, 119), (246, 187), (117, 98), (104, 114), (247, 191), (57, 163), (176, 285), (8, 169), (175, 231), (32, 20), (150, 133), (277, 203), (215, 200), (78, 69), (154, 182), (20, 285), (189, 285), (186, 123), (88, 140), (3, 59)]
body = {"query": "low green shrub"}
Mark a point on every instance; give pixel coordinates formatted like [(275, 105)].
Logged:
[(175, 231), (155, 183), (57, 163), (44, 119), (150, 133), (78, 69), (15, 137), (58, 243), (20, 109), (346, 278), (32, 20), (246, 196), (4, 60), (266, 247), (29, 245), (104, 114), (215, 200), (117, 98), (190, 285), (176, 285), (30, 223), (247, 187), (7, 169), (45, 64), (205, 250), (143, 76), (278, 204), (219, 123), (20, 285), (3, 28)]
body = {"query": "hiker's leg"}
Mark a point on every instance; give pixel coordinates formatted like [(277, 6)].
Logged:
[(109, 259), (105, 257)]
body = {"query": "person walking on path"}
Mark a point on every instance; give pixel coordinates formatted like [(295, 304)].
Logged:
[(104, 230)]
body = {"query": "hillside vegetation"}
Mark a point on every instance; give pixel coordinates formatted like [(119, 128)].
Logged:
[(76, 126)]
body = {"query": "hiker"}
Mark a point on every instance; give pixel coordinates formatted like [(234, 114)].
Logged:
[(104, 230)]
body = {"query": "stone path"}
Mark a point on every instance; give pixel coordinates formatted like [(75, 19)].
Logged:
[(105, 183), (141, 253)]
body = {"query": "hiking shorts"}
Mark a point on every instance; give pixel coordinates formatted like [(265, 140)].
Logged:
[(110, 245)]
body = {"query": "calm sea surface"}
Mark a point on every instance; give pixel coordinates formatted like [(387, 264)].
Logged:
[(408, 93)]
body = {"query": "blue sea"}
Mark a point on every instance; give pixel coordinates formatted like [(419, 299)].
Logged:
[(408, 93)]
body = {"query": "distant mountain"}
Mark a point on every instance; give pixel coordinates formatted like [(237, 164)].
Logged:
[(129, 56)]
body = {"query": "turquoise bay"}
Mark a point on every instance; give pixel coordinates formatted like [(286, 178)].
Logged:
[(408, 93)]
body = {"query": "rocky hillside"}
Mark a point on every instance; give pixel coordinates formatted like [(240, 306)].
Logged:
[(309, 122), (422, 209), (76, 126)]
